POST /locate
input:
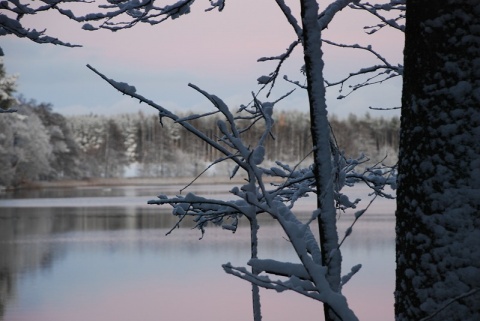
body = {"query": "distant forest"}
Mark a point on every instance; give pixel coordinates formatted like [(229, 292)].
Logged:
[(38, 144)]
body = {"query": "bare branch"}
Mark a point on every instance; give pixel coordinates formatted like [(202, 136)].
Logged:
[(290, 18), (459, 297), (296, 83), (279, 268), (387, 70), (9, 26), (293, 284), (376, 9), (367, 82), (271, 79), (367, 48), (130, 91), (327, 15), (220, 4), (378, 108)]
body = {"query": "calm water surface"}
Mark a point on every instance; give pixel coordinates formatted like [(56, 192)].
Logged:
[(102, 254)]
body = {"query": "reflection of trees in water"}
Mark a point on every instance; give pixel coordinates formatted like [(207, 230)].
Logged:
[(6, 289), (374, 232), (33, 239), (18, 254)]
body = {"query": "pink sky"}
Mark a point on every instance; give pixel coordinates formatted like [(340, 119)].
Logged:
[(216, 51)]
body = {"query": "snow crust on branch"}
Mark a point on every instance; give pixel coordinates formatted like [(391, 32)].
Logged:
[(312, 277), (11, 26), (113, 15), (255, 197)]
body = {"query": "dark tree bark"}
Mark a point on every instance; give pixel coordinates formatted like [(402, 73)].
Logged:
[(438, 204), (320, 130)]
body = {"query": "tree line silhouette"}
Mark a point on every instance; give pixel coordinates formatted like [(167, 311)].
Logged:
[(38, 144)]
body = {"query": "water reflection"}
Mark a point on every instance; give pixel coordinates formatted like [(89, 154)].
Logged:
[(79, 262)]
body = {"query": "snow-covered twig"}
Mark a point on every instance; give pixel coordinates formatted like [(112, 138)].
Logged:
[(254, 198), (290, 17), (376, 9), (296, 83), (204, 210), (113, 15), (133, 12), (366, 48), (166, 113), (385, 70), (215, 162), (279, 268), (220, 4), (272, 77), (14, 26), (5, 111), (350, 274), (293, 283), (388, 108), (327, 15), (319, 274)]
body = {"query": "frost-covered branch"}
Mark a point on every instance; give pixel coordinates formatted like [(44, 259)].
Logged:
[(350, 274), (327, 15), (377, 73), (295, 82), (301, 182), (12, 13), (379, 10), (112, 15), (308, 252), (324, 18), (294, 284), (384, 71), (319, 273), (255, 197), (280, 268), (131, 91), (368, 48), (125, 14), (290, 17), (206, 210), (219, 4), (272, 77)]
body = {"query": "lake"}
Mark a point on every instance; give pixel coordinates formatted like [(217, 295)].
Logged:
[(101, 253)]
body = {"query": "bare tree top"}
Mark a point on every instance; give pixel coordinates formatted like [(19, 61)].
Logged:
[(102, 14)]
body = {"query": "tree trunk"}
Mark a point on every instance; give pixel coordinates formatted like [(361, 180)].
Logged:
[(321, 142), (438, 200), (256, 304)]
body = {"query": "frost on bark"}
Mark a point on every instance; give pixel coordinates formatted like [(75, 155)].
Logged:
[(438, 204), (331, 257)]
